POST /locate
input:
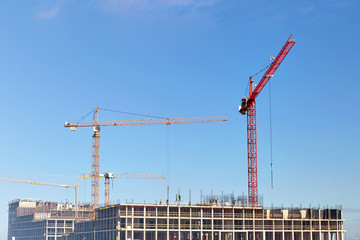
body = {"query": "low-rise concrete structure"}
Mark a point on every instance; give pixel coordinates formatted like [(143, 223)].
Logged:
[(37, 220), (210, 222)]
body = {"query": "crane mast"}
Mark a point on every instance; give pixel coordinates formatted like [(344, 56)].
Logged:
[(248, 106), (252, 151), (95, 168)]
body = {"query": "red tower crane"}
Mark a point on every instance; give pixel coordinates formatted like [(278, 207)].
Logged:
[(248, 106)]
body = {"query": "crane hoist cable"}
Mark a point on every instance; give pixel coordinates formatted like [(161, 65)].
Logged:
[(271, 145), (271, 148), (168, 153)]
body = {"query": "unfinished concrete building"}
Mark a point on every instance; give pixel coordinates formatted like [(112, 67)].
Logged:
[(37, 220), (210, 221)]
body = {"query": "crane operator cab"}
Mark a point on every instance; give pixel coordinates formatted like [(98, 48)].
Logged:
[(243, 107), (96, 128), (109, 175)]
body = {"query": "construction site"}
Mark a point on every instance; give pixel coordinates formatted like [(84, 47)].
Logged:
[(215, 218), (186, 221)]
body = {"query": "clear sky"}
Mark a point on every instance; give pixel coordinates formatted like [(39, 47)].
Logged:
[(60, 59)]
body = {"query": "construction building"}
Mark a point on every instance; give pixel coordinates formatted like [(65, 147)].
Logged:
[(36, 220), (210, 221)]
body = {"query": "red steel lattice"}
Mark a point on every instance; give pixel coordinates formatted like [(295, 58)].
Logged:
[(250, 109)]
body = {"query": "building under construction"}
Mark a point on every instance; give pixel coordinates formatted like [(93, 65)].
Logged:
[(37, 220), (210, 221)]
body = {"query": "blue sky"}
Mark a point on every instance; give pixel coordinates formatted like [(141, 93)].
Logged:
[(182, 58)]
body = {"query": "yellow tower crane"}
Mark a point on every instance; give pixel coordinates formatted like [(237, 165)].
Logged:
[(112, 176), (96, 140), (108, 176), (53, 185)]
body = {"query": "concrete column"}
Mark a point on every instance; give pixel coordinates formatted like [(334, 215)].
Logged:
[(320, 229), (243, 219), (64, 227), (223, 218), (201, 225), (118, 228), (253, 211), (191, 217), (179, 222), (55, 228), (126, 222), (132, 222), (233, 221), (263, 225), (47, 230), (212, 223), (167, 223), (283, 229), (156, 223), (144, 222)]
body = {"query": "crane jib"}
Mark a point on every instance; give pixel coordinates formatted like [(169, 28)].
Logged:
[(274, 65)]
